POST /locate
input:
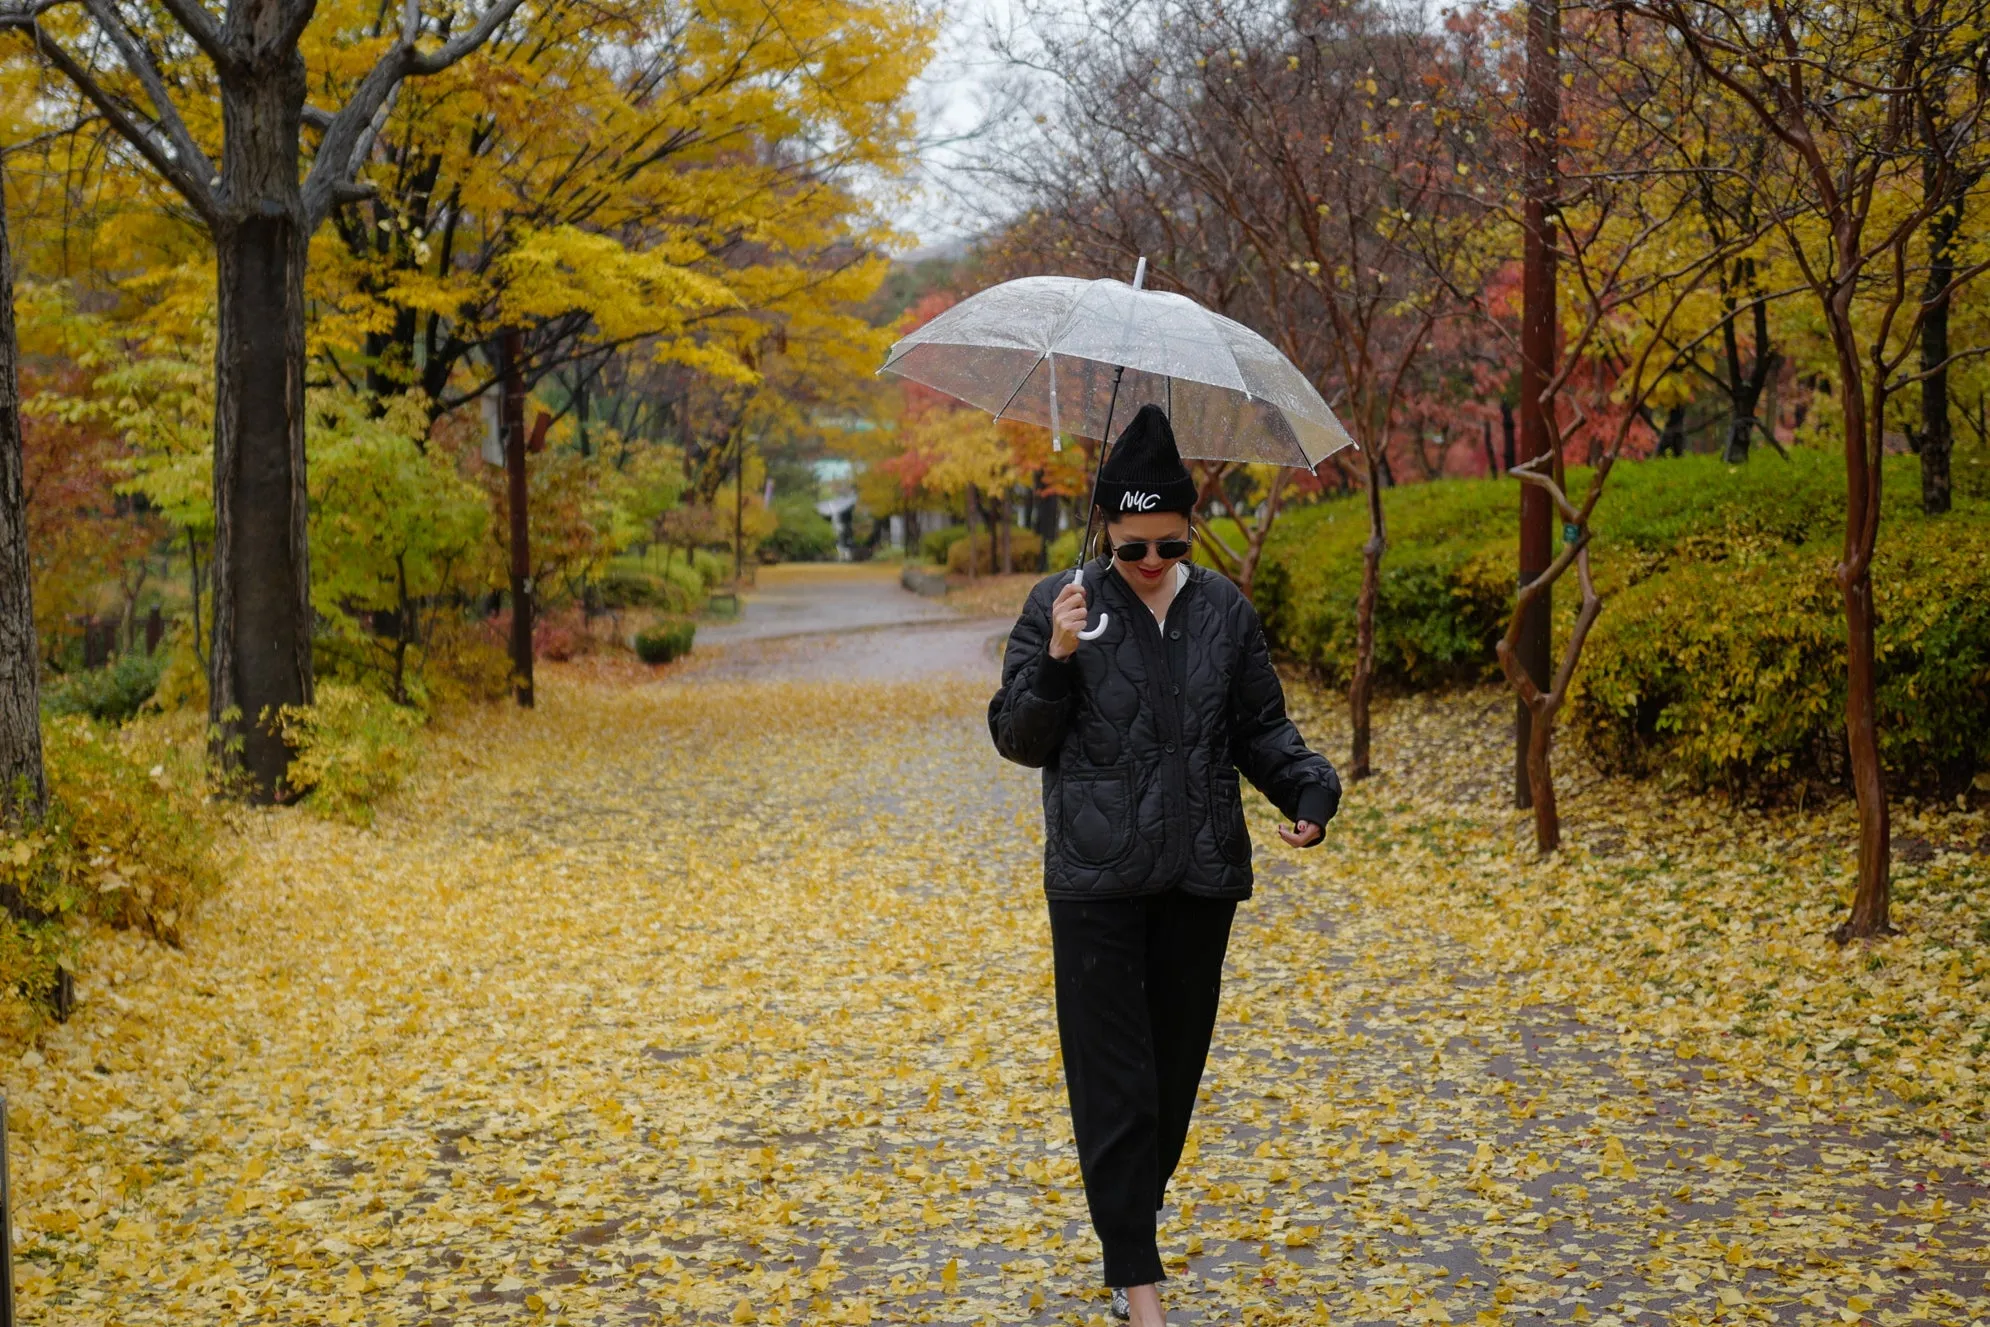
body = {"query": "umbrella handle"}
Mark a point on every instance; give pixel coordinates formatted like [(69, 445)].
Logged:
[(1089, 633)]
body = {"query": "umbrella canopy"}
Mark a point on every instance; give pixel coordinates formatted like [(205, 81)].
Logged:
[(1052, 350)]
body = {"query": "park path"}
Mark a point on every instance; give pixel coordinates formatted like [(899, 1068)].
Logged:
[(825, 599), (726, 999)]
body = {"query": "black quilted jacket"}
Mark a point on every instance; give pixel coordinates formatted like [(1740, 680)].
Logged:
[(1141, 735)]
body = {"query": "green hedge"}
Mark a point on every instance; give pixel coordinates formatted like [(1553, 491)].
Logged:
[(1719, 657), (114, 692), (665, 641), (1442, 598), (1731, 674), (803, 535), (934, 545)]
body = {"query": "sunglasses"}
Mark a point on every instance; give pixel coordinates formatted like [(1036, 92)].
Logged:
[(1135, 550)]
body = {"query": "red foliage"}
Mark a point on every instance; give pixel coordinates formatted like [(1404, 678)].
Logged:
[(557, 636), (87, 543)]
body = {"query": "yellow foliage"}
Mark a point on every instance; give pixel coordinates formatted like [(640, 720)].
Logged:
[(353, 747), (570, 994)]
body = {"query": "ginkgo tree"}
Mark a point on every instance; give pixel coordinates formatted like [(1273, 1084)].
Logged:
[(23, 785), (216, 107), (637, 176)]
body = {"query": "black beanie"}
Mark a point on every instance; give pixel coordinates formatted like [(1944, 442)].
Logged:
[(1143, 471)]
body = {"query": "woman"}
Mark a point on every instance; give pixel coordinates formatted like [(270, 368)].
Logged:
[(1141, 734)]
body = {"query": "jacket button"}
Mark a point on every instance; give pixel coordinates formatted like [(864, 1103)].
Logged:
[(1175, 635), (1171, 748), (1176, 690)]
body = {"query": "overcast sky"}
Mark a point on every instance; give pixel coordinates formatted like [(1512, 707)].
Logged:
[(952, 98)]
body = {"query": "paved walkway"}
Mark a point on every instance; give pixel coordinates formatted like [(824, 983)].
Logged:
[(727, 1000), (796, 599)]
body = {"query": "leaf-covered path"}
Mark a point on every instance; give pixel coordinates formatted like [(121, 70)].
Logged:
[(726, 999)]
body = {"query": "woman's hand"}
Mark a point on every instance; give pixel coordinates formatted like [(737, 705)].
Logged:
[(1067, 619), (1302, 833)]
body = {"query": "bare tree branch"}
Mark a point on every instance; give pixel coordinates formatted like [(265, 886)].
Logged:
[(166, 116), (144, 136), (350, 133), (201, 25)]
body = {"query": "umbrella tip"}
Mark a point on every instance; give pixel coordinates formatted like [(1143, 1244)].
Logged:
[(1140, 272)]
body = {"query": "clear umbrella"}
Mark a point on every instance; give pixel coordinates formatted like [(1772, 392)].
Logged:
[(1060, 351)]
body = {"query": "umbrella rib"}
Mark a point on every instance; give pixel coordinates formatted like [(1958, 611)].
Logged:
[(1021, 383)]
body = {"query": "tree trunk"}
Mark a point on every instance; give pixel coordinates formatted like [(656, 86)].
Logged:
[(1672, 442), (403, 616), (1506, 435), (196, 590), (511, 350), (973, 501), (1871, 898), (1873, 895), (1361, 688), (1274, 501), (261, 658), (1541, 779), (23, 785), (1008, 523), (1740, 428), (1937, 438), (1046, 523), (1538, 353)]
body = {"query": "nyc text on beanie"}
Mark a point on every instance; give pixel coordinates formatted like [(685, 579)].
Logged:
[(1144, 471)]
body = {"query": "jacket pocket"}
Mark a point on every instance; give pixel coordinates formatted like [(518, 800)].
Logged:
[(1095, 817), (1226, 817)]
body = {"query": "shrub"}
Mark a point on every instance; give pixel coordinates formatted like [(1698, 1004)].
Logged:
[(462, 661), (1719, 658), (684, 591), (129, 839), (711, 568), (559, 634), (353, 747), (1447, 579), (627, 586), (934, 545), (1732, 674), (1025, 546), (42, 889), (182, 676), (134, 802), (803, 535), (114, 692), (665, 641), (1064, 548), (1442, 598)]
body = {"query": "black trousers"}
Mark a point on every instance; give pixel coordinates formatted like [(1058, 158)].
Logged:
[(1137, 987)]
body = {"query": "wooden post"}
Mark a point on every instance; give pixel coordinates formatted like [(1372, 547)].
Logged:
[(511, 350), (1537, 355)]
